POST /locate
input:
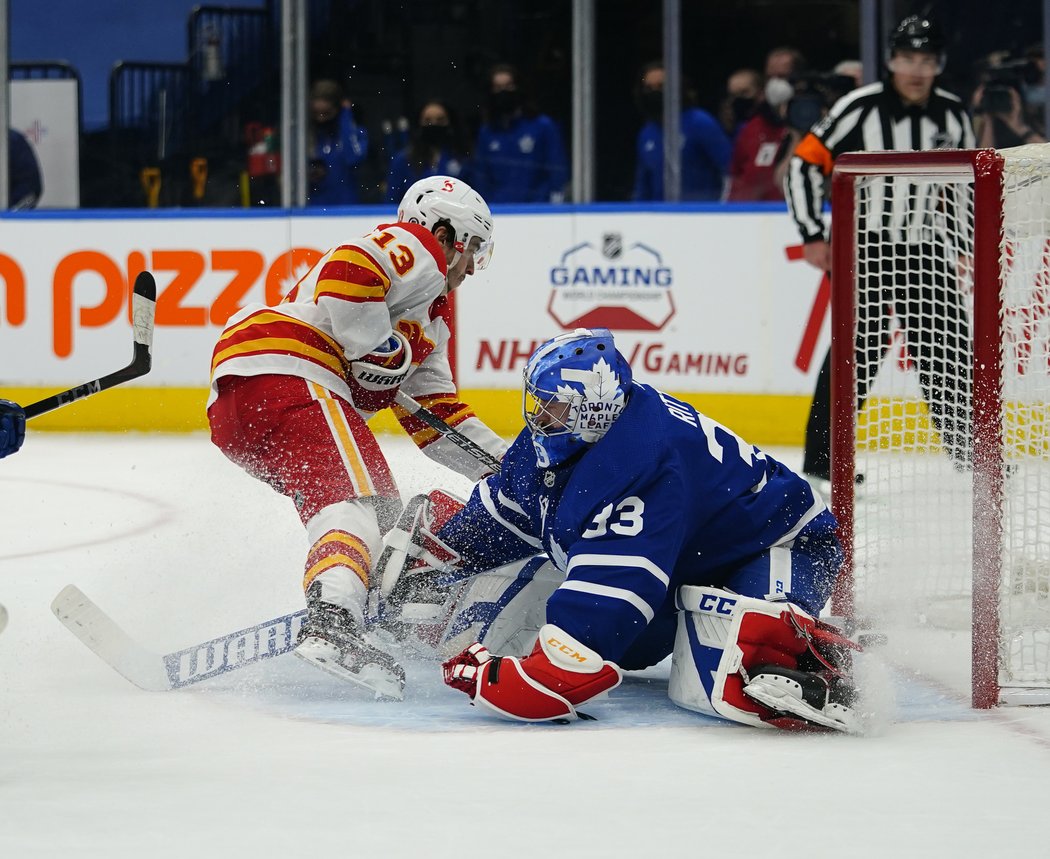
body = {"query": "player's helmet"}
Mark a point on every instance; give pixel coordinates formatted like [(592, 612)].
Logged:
[(916, 33), (445, 199), (575, 387)]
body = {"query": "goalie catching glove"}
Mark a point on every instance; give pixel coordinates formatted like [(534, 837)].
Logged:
[(547, 685), (376, 377)]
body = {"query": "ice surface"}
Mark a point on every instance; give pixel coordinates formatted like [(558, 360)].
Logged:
[(279, 759)]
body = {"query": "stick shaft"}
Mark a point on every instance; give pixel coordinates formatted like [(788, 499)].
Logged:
[(451, 433), (144, 303)]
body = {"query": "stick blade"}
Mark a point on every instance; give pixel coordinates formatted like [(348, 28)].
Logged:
[(146, 286), (109, 642), (143, 311)]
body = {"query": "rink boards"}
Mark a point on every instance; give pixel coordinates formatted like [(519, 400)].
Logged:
[(710, 303)]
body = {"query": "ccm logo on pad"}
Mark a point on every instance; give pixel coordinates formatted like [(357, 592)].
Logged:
[(571, 652), (713, 604)]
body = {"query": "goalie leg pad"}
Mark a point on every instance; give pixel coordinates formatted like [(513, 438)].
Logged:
[(724, 637)]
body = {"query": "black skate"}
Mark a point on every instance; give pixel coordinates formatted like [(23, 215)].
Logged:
[(333, 641), (806, 695)]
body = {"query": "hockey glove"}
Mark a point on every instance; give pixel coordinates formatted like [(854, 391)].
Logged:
[(12, 427), (375, 378), (547, 685)]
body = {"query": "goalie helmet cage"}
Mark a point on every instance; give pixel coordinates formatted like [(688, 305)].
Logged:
[(948, 251)]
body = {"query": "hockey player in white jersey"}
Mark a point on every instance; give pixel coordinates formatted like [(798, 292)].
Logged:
[(672, 535), (294, 384)]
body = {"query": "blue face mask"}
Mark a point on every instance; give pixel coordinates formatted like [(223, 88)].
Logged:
[(1035, 94)]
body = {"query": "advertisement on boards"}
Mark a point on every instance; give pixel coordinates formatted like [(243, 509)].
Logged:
[(700, 302)]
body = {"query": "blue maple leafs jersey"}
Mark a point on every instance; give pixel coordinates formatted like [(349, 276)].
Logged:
[(668, 497)]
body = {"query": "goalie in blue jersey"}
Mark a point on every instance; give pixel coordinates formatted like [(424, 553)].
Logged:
[(670, 535)]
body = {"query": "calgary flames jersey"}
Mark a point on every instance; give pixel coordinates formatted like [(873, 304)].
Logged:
[(345, 307)]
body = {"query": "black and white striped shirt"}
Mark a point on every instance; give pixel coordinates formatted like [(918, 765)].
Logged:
[(869, 119)]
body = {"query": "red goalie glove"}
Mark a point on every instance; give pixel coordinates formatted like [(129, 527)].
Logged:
[(560, 674)]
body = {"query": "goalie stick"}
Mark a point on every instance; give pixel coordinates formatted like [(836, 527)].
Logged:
[(143, 307), (155, 672), (451, 433)]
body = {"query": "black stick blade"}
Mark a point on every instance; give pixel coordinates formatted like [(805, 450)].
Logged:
[(146, 286)]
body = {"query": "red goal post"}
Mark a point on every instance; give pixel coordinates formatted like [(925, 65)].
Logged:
[(941, 326)]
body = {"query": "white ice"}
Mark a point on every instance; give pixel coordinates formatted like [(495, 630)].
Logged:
[(279, 760)]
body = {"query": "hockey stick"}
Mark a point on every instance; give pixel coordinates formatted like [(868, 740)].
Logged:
[(159, 673), (143, 306), (451, 433)]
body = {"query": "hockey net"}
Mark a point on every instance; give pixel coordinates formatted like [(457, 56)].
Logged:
[(941, 326)]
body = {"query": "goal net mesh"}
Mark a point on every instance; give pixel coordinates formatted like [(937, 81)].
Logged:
[(915, 443)]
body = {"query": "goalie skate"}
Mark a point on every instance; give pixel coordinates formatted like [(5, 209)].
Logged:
[(805, 695), (334, 642)]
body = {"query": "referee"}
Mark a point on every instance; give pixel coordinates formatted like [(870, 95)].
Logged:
[(904, 112)]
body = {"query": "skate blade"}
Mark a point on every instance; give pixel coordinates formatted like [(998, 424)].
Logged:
[(378, 680), (778, 698)]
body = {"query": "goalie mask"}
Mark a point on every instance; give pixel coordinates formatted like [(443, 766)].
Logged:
[(575, 387), (446, 200)]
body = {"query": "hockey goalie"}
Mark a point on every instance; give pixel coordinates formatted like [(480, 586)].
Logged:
[(644, 529)]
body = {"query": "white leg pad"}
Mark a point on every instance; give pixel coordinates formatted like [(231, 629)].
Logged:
[(706, 661)]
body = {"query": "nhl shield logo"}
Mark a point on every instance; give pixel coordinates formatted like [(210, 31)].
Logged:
[(612, 283)]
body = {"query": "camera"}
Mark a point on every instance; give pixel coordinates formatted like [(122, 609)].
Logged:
[(815, 92), (1001, 81)]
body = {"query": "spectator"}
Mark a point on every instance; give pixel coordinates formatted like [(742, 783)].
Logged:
[(25, 185), (434, 150), (336, 145), (705, 147), (1001, 119), (784, 62), (519, 156), (850, 69), (743, 94), (1035, 86), (759, 147)]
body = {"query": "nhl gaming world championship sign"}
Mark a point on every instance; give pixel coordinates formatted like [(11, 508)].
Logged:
[(624, 288)]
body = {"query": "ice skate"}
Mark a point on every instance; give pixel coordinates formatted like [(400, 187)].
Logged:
[(334, 641), (807, 695)]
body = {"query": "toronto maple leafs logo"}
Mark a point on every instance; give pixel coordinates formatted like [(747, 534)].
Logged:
[(600, 401)]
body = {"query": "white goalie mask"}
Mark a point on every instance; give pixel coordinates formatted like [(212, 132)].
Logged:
[(575, 387), (438, 199)]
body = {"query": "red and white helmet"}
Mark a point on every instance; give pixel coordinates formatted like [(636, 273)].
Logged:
[(444, 198)]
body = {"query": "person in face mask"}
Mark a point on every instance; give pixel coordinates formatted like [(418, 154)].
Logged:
[(760, 146), (519, 156), (336, 145), (743, 93), (705, 146), (434, 150)]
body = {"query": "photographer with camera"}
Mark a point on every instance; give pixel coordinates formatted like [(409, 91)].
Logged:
[(904, 111), (1000, 117)]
